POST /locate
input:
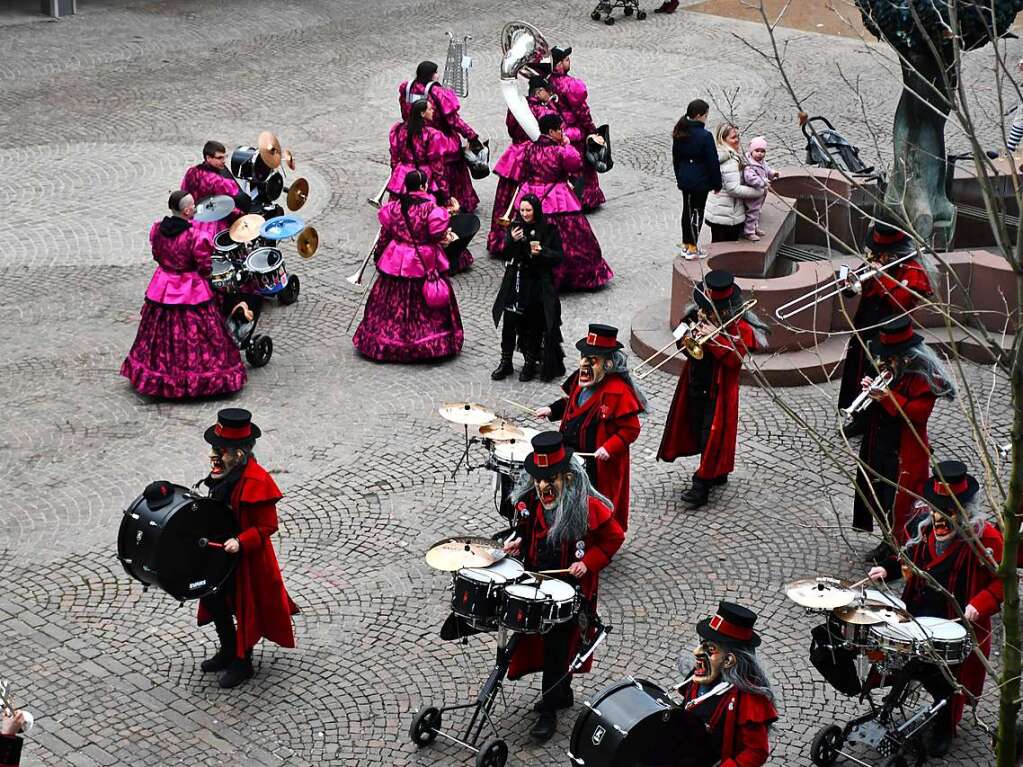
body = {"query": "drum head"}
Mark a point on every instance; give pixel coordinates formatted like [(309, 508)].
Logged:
[(482, 575), (883, 598), (272, 188), (527, 592), (185, 570), (220, 266), (264, 260), (508, 568), (223, 243), (557, 590), (241, 161), (913, 631), (943, 629)]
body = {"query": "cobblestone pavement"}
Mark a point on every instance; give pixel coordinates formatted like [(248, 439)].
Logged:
[(99, 116)]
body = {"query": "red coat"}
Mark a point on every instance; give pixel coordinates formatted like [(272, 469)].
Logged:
[(260, 602), (718, 457), (608, 419), (747, 717), (603, 538)]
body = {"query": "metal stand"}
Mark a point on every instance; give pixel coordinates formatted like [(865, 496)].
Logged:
[(464, 458)]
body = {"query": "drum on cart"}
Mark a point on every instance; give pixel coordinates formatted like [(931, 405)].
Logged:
[(266, 266), (476, 592), (223, 275), (933, 640), (507, 457), (536, 606)]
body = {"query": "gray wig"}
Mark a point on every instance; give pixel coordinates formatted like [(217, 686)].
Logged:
[(921, 359), (746, 675), (572, 515)]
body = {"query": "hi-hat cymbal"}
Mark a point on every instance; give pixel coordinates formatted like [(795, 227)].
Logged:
[(214, 208), (246, 228), (463, 551), (289, 159), (269, 149), (298, 193), (307, 243), (466, 413), (871, 613), (502, 431), (820, 593)]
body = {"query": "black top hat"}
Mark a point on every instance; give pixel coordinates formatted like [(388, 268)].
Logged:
[(536, 83), (896, 337), (600, 340), (885, 238), (559, 54), (234, 427), (549, 122), (550, 455), (718, 291), (733, 624), (950, 482)]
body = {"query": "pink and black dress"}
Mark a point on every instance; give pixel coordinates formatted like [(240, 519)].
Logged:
[(575, 111), (182, 348), (399, 325), (202, 181)]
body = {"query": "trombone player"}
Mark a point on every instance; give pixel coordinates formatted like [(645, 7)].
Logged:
[(704, 415)]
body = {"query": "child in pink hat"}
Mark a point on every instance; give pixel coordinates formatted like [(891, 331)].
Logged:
[(756, 173)]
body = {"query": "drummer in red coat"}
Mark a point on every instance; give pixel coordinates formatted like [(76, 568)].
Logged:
[(942, 549), (566, 524), (704, 415), (255, 596), (600, 414)]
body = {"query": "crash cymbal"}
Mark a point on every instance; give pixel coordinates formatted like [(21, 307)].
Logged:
[(298, 193), (246, 228), (466, 413), (307, 243), (463, 551), (289, 159), (502, 431), (820, 593), (281, 228), (215, 208), (871, 613), (269, 149)]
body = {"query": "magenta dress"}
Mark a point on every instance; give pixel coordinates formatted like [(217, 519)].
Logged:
[(202, 181), (547, 167), (448, 121), (508, 170), (575, 111), (398, 325), (182, 348)]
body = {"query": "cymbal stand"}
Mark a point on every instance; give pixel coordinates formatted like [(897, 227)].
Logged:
[(465, 455)]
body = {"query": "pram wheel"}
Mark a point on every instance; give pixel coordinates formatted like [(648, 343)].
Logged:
[(289, 294), (424, 727), (595, 15), (826, 745), (641, 15), (493, 753), (610, 20), (627, 11), (259, 351)]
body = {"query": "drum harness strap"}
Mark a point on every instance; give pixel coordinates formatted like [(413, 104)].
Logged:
[(718, 689)]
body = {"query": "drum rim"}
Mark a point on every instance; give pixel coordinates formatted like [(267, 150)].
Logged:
[(467, 572), (558, 583), (268, 268)]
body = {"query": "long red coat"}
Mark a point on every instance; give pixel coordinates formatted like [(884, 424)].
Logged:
[(747, 717), (603, 538), (718, 457), (608, 419), (260, 602)]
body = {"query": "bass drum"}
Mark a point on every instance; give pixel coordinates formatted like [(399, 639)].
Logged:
[(158, 542), (632, 723), (247, 165), (465, 226)]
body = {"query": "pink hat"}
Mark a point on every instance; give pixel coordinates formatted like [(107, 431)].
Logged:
[(758, 142)]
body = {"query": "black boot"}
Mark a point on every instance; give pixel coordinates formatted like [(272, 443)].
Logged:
[(226, 635), (698, 493), (718, 481), (504, 369), (529, 369), (558, 702), (545, 726), (238, 672)]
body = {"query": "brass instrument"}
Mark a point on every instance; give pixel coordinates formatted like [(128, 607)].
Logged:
[(505, 220), (523, 48), (863, 399), (457, 65), (692, 344), (676, 336), (846, 280), (356, 279), (378, 200)]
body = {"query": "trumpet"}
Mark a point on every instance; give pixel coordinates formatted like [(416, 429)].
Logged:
[(378, 199), (356, 279), (863, 400), (846, 280), (505, 220)]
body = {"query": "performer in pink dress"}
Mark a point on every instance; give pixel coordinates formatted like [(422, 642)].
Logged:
[(211, 177), (411, 312), (509, 167), (417, 145), (449, 122), (547, 165), (182, 348), (572, 103)]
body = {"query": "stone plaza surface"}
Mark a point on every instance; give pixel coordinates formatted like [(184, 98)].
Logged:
[(100, 115)]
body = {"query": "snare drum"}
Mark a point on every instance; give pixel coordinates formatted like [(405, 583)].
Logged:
[(849, 635), (949, 640), (223, 275), (267, 268), (929, 639), (225, 246), (476, 591), (507, 457), (534, 607)]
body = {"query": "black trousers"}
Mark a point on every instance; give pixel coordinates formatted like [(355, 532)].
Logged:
[(555, 664), (219, 606), (725, 232), (524, 330), (693, 204)]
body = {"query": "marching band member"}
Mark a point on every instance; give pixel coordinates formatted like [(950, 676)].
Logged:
[(894, 291), (569, 526), (704, 415), (255, 595), (895, 452), (508, 168), (600, 414), (10, 740), (579, 126), (211, 177), (449, 122), (527, 299), (547, 164), (942, 548), (727, 690), (411, 312), (417, 145), (182, 348)]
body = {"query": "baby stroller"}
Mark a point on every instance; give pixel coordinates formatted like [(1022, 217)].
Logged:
[(605, 7), (258, 347), (226, 279), (830, 149)]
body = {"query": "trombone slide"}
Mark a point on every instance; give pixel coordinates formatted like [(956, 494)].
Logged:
[(505, 220), (378, 200)]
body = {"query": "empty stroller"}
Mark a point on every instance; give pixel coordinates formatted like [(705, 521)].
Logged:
[(606, 7), (830, 149)]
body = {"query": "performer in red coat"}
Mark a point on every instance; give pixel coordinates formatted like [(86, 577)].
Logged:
[(895, 453), (942, 548), (728, 691), (600, 414), (256, 594), (704, 415), (569, 525)]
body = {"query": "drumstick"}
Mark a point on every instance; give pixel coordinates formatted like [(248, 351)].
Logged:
[(584, 455), (860, 583), (520, 406), (552, 572)]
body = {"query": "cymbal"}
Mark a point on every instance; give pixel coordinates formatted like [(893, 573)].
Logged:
[(466, 413), (455, 553), (308, 241), (298, 193), (281, 228), (246, 228), (289, 159), (269, 149), (820, 593), (872, 613), (214, 208), (502, 431)]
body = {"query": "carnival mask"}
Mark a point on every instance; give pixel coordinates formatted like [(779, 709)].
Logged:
[(592, 370), (549, 489), (942, 525), (223, 460), (710, 659)]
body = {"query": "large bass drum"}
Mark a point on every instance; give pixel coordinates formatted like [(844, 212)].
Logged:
[(158, 542), (633, 723)]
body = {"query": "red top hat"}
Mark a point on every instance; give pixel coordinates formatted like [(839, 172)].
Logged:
[(601, 339)]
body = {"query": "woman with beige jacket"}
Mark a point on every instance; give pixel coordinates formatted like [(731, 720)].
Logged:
[(725, 211)]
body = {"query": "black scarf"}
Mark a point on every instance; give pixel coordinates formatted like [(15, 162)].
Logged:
[(172, 226), (221, 489)]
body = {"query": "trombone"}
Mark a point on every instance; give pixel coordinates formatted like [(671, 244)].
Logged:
[(378, 200), (846, 280), (356, 279)]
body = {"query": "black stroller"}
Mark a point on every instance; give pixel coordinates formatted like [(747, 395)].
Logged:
[(606, 7), (226, 279), (827, 148)]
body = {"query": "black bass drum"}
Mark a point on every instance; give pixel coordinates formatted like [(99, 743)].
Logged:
[(159, 541)]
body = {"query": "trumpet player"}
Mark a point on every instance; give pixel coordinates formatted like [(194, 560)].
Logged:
[(895, 453), (894, 291), (579, 125), (704, 415)]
